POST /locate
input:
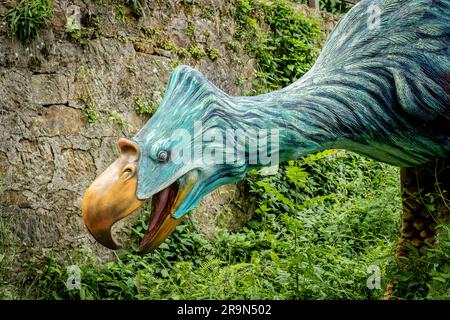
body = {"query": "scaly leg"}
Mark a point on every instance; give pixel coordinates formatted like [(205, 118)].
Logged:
[(426, 202)]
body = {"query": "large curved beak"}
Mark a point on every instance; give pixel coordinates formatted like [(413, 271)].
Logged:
[(112, 196)]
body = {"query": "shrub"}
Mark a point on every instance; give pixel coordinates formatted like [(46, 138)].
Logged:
[(335, 6)]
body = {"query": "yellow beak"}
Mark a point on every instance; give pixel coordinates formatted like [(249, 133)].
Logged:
[(112, 196)]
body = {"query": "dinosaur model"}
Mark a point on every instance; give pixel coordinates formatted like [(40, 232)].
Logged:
[(383, 92)]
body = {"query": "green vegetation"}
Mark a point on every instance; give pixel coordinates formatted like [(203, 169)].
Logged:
[(73, 33), (213, 54), (89, 110), (2, 182), (170, 46), (207, 34), (157, 38), (320, 223), (7, 259), (207, 12), (116, 118), (73, 29), (137, 7), (92, 28), (93, 24), (426, 276), (90, 113), (28, 17), (233, 45), (190, 30), (196, 52), (144, 108), (121, 13), (175, 63), (285, 50), (333, 6)]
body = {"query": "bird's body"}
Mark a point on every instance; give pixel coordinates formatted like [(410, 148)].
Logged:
[(387, 82), (380, 87)]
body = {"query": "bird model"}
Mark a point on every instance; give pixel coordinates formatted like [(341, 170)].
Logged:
[(380, 90)]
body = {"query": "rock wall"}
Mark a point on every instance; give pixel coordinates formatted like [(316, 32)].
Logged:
[(66, 99)]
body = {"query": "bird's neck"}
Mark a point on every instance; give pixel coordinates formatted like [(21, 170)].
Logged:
[(296, 121)]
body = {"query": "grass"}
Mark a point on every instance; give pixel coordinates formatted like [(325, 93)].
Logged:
[(196, 52), (28, 17), (7, 260), (213, 54)]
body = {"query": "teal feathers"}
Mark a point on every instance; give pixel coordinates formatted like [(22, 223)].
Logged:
[(381, 91)]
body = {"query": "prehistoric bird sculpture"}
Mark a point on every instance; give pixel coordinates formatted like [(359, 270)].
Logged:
[(382, 91)]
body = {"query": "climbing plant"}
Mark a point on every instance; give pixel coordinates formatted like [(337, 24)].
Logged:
[(283, 41), (333, 6), (137, 7)]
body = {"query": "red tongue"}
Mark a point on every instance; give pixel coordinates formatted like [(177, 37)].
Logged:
[(161, 205)]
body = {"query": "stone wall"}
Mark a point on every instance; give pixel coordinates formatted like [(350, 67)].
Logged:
[(49, 152)]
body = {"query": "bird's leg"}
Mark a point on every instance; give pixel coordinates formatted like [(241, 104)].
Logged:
[(425, 194), (426, 202)]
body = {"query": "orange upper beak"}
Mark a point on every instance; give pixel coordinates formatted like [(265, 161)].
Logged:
[(112, 196)]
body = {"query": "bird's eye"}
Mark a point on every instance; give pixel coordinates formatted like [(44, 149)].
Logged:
[(162, 156)]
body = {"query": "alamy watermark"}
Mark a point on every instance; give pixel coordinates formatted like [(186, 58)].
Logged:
[(74, 277), (374, 279), (374, 17)]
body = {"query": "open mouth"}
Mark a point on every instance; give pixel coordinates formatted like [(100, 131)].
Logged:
[(112, 197), (162, 209)]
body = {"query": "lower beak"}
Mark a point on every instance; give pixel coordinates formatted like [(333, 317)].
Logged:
[(167, 227), (164, 204)]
